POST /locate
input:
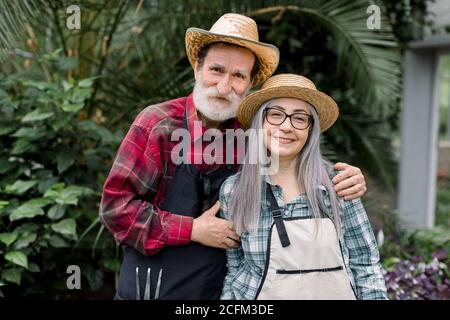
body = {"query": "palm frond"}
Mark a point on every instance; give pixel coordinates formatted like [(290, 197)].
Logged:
[(370, 59), (14, 16), (370, 149)]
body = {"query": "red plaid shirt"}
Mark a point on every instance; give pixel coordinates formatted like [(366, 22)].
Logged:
[(141, 175)]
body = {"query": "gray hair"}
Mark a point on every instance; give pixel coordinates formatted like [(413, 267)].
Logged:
[(312, 172)]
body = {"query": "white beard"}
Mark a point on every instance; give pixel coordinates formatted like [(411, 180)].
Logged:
[(213, 108)]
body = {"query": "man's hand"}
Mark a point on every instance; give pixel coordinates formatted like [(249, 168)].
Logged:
[(214, 232), (350, 183)]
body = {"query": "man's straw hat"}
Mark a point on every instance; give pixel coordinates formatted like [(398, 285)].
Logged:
[(239, 30), (289, 86)]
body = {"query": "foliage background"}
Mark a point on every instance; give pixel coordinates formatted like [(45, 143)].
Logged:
[(67, 97)]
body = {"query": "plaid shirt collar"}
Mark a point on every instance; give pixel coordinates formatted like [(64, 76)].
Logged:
[(197, 130)]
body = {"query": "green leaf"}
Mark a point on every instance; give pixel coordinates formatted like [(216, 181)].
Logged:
[(72, 107), (40, 85), (88, 125), (67, 85), (5, 165), (42, 243), (33, 267), (61, 123), (3, 204), (17, 257), (68, 195), (26, 211), (44, 184), (65, 227), (27, 227), (12, 275), (56, 212), (8, 238), (38, 202), (58, 242), (66, 63), (112, 265), (24, 132), (79, 95), (388, 262), (64, 159), (21, 146), (6, 130), (37, 115), (43, 100), (51, 56), (30, 133), (20, 187), (25, 240), (106, 135), (54, 189), (95, 279), (86, 83)]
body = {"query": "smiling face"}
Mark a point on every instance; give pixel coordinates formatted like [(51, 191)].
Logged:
[(222, 81), (284, 140)]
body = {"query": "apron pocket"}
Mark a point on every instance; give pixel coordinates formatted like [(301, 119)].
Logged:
[(312, 284), (282, 271)]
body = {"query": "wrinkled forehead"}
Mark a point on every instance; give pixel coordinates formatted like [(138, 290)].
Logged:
[(290, 104), (230, 54), (229, 47)]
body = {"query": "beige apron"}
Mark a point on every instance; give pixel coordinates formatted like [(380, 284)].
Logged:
[(308, 266)]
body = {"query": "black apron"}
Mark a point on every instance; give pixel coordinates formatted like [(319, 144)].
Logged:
[(184, 272)]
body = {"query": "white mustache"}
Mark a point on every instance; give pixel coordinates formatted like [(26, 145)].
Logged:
[(214, 93)]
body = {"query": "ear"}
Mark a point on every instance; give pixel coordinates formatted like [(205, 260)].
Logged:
[(196, 70)]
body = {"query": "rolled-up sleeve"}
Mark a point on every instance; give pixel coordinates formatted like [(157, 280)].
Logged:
[(364, 257), (126, 209)]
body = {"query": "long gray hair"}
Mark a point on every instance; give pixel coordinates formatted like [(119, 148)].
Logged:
[(312, 171)]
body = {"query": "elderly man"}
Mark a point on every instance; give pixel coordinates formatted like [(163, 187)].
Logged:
[(163, 212)]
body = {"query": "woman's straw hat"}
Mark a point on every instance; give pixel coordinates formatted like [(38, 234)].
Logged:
[(289, 86), (239, 30)]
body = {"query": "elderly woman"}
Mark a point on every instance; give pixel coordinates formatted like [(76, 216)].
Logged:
[(299, 240)]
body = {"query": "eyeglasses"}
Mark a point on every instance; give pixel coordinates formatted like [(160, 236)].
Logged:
[(299, 120)]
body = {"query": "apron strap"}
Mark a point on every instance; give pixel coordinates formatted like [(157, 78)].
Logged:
[(276, 213)]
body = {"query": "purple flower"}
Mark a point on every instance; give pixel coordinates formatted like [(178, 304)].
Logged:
[(440, 254), (416, 279)]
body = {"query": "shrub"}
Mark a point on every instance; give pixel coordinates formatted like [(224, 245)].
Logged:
[(52, 164), (416, 265), (417, 280)]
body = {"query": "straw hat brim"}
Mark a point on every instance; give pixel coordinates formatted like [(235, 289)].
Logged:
[(268, 55), (325, 106)]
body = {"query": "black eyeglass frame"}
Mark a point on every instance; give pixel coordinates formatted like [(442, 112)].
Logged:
[(310, 118)]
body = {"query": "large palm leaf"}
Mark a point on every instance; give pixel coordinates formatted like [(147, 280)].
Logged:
[(14, 16), (370, 59)]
